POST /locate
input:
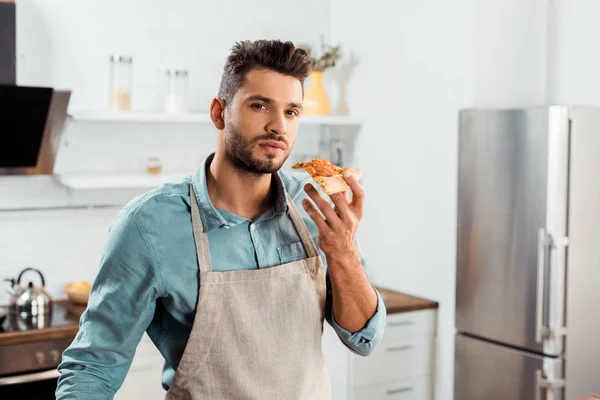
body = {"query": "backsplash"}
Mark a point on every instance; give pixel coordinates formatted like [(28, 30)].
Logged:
[(65, 245)]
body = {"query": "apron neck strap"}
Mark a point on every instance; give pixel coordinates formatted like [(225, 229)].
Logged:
[(302, 229), (200, 237)]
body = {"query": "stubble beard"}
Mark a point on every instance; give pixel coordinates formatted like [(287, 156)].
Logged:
[(239, 151)]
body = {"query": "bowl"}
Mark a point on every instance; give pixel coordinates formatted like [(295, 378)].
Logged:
[(78, 292)]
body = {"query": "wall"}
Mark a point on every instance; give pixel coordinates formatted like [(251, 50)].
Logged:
[(575, 73), (410, 66), (67, 43), (64, 245), (510, 53), (417, 64), (414, 71)]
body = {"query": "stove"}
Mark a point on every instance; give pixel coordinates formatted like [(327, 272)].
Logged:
[(31, 350)]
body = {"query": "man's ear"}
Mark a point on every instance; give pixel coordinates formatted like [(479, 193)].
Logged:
[(217, 112)]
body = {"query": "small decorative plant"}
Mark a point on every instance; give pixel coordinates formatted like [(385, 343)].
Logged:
[(328, 57)]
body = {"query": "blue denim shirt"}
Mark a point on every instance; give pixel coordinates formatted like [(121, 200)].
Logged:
[(148, 280)]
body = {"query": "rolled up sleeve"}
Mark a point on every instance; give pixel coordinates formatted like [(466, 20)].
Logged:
[(120, 308), (365, 340)]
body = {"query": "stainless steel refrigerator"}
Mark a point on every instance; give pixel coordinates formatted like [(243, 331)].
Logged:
[(528, 254)]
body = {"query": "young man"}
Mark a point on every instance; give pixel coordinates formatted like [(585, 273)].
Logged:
[(222, 269)]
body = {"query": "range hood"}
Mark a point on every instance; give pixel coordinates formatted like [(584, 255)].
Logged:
[(32, 120)]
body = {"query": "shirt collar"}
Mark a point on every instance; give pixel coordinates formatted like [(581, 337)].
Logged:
[(211, 217)]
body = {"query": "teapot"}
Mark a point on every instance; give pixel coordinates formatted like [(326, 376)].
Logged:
[(29, 301)]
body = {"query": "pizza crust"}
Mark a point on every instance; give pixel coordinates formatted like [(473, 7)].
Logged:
[(336, 183), (329, 184)]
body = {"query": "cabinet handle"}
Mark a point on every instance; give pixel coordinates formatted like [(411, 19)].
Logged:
[(400, 348), (401, 323), (399, 390), (27, 378)]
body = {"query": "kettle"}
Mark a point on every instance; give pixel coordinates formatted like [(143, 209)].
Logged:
[(30, 301)]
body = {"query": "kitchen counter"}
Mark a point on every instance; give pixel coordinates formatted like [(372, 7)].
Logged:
[(64, 324), (65, 318), (397, 302)]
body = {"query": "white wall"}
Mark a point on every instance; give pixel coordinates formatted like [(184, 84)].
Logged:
[(66, 43), (575, 62), (411, 66), (510, 53), (64, 245), (418, 64), (414, 71)]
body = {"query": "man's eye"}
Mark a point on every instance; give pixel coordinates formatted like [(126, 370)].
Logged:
[(292, 112), (259, 106)]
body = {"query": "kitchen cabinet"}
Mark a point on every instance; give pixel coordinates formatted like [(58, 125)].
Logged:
[(401, 367)]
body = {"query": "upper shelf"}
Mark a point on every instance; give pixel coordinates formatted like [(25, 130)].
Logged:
[(118, 181), (141, 117)]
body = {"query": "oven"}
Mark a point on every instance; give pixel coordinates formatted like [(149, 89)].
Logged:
[(31, 349), (28, 370)]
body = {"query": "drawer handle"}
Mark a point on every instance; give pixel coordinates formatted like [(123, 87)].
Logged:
[(399, 390), (400, 348), (401, 323)]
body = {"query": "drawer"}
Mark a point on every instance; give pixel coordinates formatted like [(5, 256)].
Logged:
[(414, 323), (409, 389), (395, 359)]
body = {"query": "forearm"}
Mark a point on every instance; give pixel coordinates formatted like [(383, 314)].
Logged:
[(354, 299)]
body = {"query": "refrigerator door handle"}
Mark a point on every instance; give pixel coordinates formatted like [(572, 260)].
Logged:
[(540, 302), (548, 385), (545, 242)]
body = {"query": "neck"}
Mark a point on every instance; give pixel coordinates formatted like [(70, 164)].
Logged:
[(237, 191)]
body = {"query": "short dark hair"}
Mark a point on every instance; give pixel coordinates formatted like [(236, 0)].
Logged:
[(274, 55)]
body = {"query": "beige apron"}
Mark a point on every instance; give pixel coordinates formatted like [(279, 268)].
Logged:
[(257, 333)]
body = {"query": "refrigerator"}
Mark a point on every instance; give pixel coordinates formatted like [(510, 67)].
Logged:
[(527, 323)]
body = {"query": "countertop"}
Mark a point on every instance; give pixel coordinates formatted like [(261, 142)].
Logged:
[(397, 302), (65, 325)]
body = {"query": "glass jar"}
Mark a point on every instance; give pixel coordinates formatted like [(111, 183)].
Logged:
[(154, 165), (176, 91), (120, 83)]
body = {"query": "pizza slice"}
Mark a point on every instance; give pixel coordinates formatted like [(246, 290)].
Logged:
[(328, 176)]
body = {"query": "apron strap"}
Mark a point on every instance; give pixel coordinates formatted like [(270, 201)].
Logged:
[(302, 229), (200, 237)]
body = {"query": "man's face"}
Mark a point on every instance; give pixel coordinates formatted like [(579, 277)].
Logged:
[(262, 121)]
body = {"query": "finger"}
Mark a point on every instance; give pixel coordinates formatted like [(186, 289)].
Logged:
[(358, 193), (340, 200), (323, 205), (315, 215), (348, 195)]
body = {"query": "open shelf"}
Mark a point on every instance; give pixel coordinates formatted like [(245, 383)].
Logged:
[(81, 181), (144, 117)]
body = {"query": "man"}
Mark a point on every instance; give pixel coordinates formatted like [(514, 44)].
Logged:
[(222, 269)]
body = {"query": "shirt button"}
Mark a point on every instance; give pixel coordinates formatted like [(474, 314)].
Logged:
[(252, 227)]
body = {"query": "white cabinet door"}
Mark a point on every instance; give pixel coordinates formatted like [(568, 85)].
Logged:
[(336, 357), (409, 389)]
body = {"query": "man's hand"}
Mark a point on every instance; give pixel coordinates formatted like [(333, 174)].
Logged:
[(337, 226), (354, 299)]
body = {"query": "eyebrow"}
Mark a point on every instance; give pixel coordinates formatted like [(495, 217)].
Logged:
[(258, 97)]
